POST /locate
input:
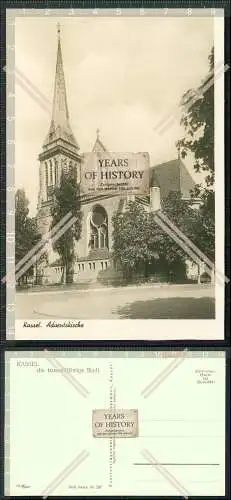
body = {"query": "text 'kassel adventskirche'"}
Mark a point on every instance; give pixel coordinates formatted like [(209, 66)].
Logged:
[(60, 151)]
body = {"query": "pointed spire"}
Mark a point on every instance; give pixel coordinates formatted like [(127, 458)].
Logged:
[(60, 109), (58, 30), (98, 146), (60, 127)]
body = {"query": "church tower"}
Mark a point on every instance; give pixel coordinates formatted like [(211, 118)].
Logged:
[(60, 149)]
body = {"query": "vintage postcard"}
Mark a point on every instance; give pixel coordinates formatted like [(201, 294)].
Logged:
[(115, 164), (115, 423)]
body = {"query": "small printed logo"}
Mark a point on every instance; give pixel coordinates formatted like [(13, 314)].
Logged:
[(205, 376)]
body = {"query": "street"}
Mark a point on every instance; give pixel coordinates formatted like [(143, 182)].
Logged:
[(132, 302)]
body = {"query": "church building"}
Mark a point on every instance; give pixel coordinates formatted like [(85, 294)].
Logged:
[(60, 151)]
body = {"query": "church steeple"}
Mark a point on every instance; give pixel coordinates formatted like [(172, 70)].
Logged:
[(60, 127), (60, 151)]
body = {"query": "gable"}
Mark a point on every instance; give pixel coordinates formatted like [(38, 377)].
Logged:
[(99, 147)]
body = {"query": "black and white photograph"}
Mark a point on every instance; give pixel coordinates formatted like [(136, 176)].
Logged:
[(117, 153)]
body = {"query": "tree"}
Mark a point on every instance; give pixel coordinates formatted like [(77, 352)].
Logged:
[(195, 224), (26, 232), (140, 245), (131, 250), (198, 121), (67, 199), (21, 214)]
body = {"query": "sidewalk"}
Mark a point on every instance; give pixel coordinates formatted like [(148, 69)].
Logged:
[(96, 286)]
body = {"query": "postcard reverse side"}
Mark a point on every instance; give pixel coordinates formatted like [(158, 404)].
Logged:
[(113, 423)]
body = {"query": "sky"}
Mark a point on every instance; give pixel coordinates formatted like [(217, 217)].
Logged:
[(122, 76)]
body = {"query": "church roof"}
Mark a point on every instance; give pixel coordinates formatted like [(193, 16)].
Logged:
[(172, 176), (60, 127)]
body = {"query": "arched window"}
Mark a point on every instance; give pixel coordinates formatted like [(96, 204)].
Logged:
[(77, 172), (51, 173), (64, 165), (40, 178), (103, 237), (56, 172), (71, 168), (98, 228), (94, 237), (46, 173)]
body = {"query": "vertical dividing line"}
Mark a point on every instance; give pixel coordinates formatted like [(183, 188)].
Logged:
[(110, 439), (114, 438), (6, 452)]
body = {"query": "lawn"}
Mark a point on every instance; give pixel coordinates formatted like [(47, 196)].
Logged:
[(169, 308)]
